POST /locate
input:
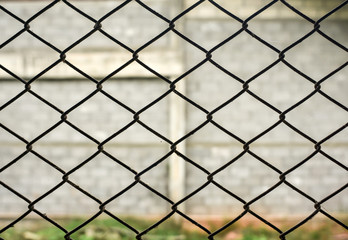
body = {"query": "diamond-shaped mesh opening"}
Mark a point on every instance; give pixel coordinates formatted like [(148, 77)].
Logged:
[(319, 183), (102, 177), (227, 57), (141, 21), (20, 178), (209, 137), (282, 147), (203, 29), (76, 203), (243, 185), (171, 55), (318, 57), (138, 200), (216, 202), (208, 81), (141, 156), (168, 111), (125, 90), (38, 58), (160, 124), (109, 57), (141, 137), (275, 201), (282, 134), (212, 157), (280, 34), (24, 122), (90, 113), (56, 152), (69, 32), (313, 123), (240, 122), (65, 134), (283, 156), (56, 90), (289, 88)]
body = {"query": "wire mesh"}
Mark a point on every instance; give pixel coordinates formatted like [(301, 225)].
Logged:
[(64, 117)]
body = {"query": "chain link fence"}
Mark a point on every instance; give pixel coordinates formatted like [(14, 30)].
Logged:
[(172, 89)]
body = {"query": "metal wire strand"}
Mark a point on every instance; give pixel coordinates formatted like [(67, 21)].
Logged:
[(134, 57)]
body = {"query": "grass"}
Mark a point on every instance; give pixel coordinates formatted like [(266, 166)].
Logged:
[(109, 229), (322, 233)]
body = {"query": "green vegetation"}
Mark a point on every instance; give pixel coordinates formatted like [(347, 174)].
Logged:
[(109, 229), (320, 233), (102, 230)]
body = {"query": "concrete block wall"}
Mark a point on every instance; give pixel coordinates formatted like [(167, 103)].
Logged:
[(246, 117), (208, 86), (66, 148)]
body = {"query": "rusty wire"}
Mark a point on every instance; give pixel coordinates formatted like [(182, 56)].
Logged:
[(173, 145)]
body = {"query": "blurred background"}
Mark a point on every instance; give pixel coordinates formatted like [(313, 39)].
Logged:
[(171, 56)]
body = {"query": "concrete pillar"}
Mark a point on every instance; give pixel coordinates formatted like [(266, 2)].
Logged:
[(177, 130), (178, 118)]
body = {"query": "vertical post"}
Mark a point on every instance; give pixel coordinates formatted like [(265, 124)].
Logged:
[(177, 130), (177, 120)]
